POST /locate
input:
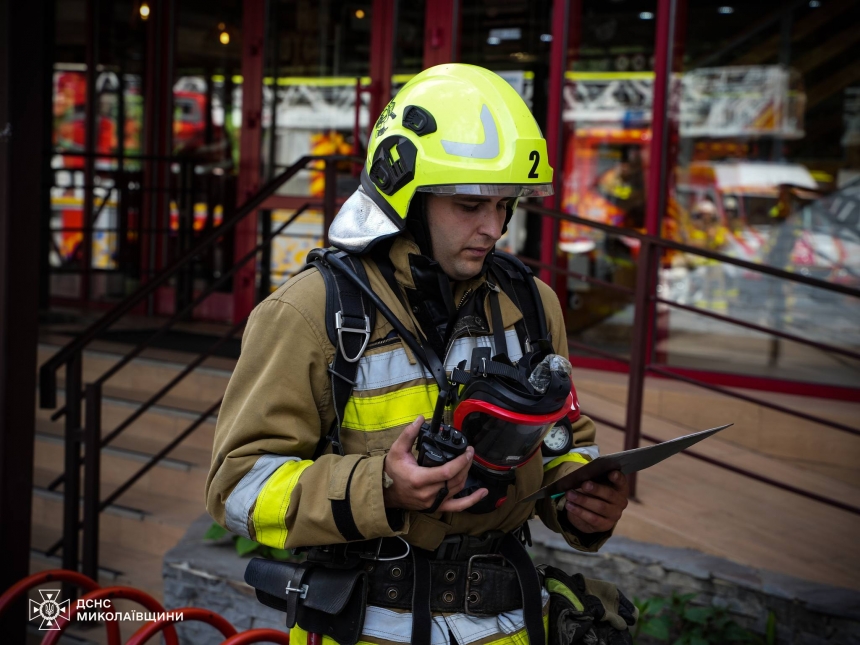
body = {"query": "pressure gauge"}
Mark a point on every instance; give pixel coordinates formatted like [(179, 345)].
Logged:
[(557, 442)]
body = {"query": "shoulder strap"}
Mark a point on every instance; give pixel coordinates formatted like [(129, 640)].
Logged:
[(349, 318), (518, 282)]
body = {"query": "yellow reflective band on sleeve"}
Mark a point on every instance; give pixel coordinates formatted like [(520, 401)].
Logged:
[(270, 511), (555, 586), (372, 413), (571, 456)]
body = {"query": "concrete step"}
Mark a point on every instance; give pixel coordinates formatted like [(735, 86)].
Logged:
[(146, 375), (159, 425), (140, 520), (172, 478), (117, 565)]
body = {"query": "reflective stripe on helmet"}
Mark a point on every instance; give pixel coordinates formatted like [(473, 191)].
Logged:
[(490, 190)]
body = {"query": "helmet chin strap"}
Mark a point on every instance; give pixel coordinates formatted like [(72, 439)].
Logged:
[(419, 228), (416, 224)]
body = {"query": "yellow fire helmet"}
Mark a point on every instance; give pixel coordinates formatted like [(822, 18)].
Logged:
[(452, 129)]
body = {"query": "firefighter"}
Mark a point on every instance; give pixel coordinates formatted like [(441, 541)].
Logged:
[(447, 161)]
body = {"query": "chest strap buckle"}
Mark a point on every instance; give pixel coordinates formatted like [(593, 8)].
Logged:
[(338, 323)]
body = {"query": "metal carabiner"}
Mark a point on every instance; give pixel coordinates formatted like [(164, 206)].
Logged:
[(338, 323), (376, 557)]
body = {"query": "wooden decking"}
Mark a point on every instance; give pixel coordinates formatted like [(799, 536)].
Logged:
[(686, 502)]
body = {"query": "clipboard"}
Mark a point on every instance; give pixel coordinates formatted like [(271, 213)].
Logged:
[(628, 461)]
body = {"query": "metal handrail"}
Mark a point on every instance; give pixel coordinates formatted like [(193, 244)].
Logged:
[(89, 434), (116, 367), (686, 248), (640, 363), (93, 392), (47, 373)]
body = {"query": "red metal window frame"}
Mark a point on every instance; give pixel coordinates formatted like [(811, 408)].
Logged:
[(670, 19), (250, 147), (383, 15), (442, 32)]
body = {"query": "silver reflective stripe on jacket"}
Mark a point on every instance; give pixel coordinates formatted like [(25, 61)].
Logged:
[(242, 498)]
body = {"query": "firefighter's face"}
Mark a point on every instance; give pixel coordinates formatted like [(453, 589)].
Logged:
[(463, 229)]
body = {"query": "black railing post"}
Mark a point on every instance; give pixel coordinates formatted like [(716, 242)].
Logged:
[(639, 352), (92, 478), (265, 286), (71, 487), (329, 197)]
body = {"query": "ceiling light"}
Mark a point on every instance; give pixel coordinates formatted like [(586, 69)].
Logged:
[(359, 13), (493, 40), (546, 38), (646, 15), (814, 4), (144, 10), (224, 37), (725, 10)]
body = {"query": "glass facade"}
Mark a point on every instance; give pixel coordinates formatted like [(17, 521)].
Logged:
[(766, 170), (762, 166), (762, 155), (607, 101)]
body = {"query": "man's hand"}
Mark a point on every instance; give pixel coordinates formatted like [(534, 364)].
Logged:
[(415, 487), (595, 508)]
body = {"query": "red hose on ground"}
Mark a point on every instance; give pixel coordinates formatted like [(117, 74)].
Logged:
[(58, 575), (116, 593), (188, 613)]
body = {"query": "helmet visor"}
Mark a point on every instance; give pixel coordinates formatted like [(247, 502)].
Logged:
[(503, 439), (490, 190)]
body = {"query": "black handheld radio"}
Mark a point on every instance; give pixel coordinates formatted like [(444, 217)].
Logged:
[(439, 443)]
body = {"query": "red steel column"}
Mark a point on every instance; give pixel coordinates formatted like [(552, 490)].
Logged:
[(658, 186), (250, 163), (157, 139), (442, 33), (565, 18), (381, 54)]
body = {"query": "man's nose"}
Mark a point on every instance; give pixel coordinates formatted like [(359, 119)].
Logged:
[(491, 225)]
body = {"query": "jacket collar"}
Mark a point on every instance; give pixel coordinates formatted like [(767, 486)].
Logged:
[(403, 253)]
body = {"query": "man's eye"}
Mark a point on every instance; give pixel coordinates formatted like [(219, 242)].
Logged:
[(469, 208)]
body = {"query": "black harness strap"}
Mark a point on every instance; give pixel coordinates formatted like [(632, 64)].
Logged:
[(341, 510), (421, 615), (530, 586), (499, 339), (518, 280), (349, 318)]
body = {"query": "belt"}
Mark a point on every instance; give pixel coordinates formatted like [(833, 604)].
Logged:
[(464, 572), (452, 547), (483, 585)]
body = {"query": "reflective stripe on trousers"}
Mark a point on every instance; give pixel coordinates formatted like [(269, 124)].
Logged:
[(388, 627)]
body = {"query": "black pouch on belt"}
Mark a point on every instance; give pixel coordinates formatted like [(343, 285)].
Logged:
[(320, 600)]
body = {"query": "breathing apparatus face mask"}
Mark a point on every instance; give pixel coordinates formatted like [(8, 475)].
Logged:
[(504, 412)]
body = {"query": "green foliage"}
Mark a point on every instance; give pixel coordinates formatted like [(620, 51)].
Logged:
[(246, 547), (675, 620)]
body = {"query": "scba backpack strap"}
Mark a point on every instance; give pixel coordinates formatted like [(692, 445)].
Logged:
[(518, 282), (349, 319)]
